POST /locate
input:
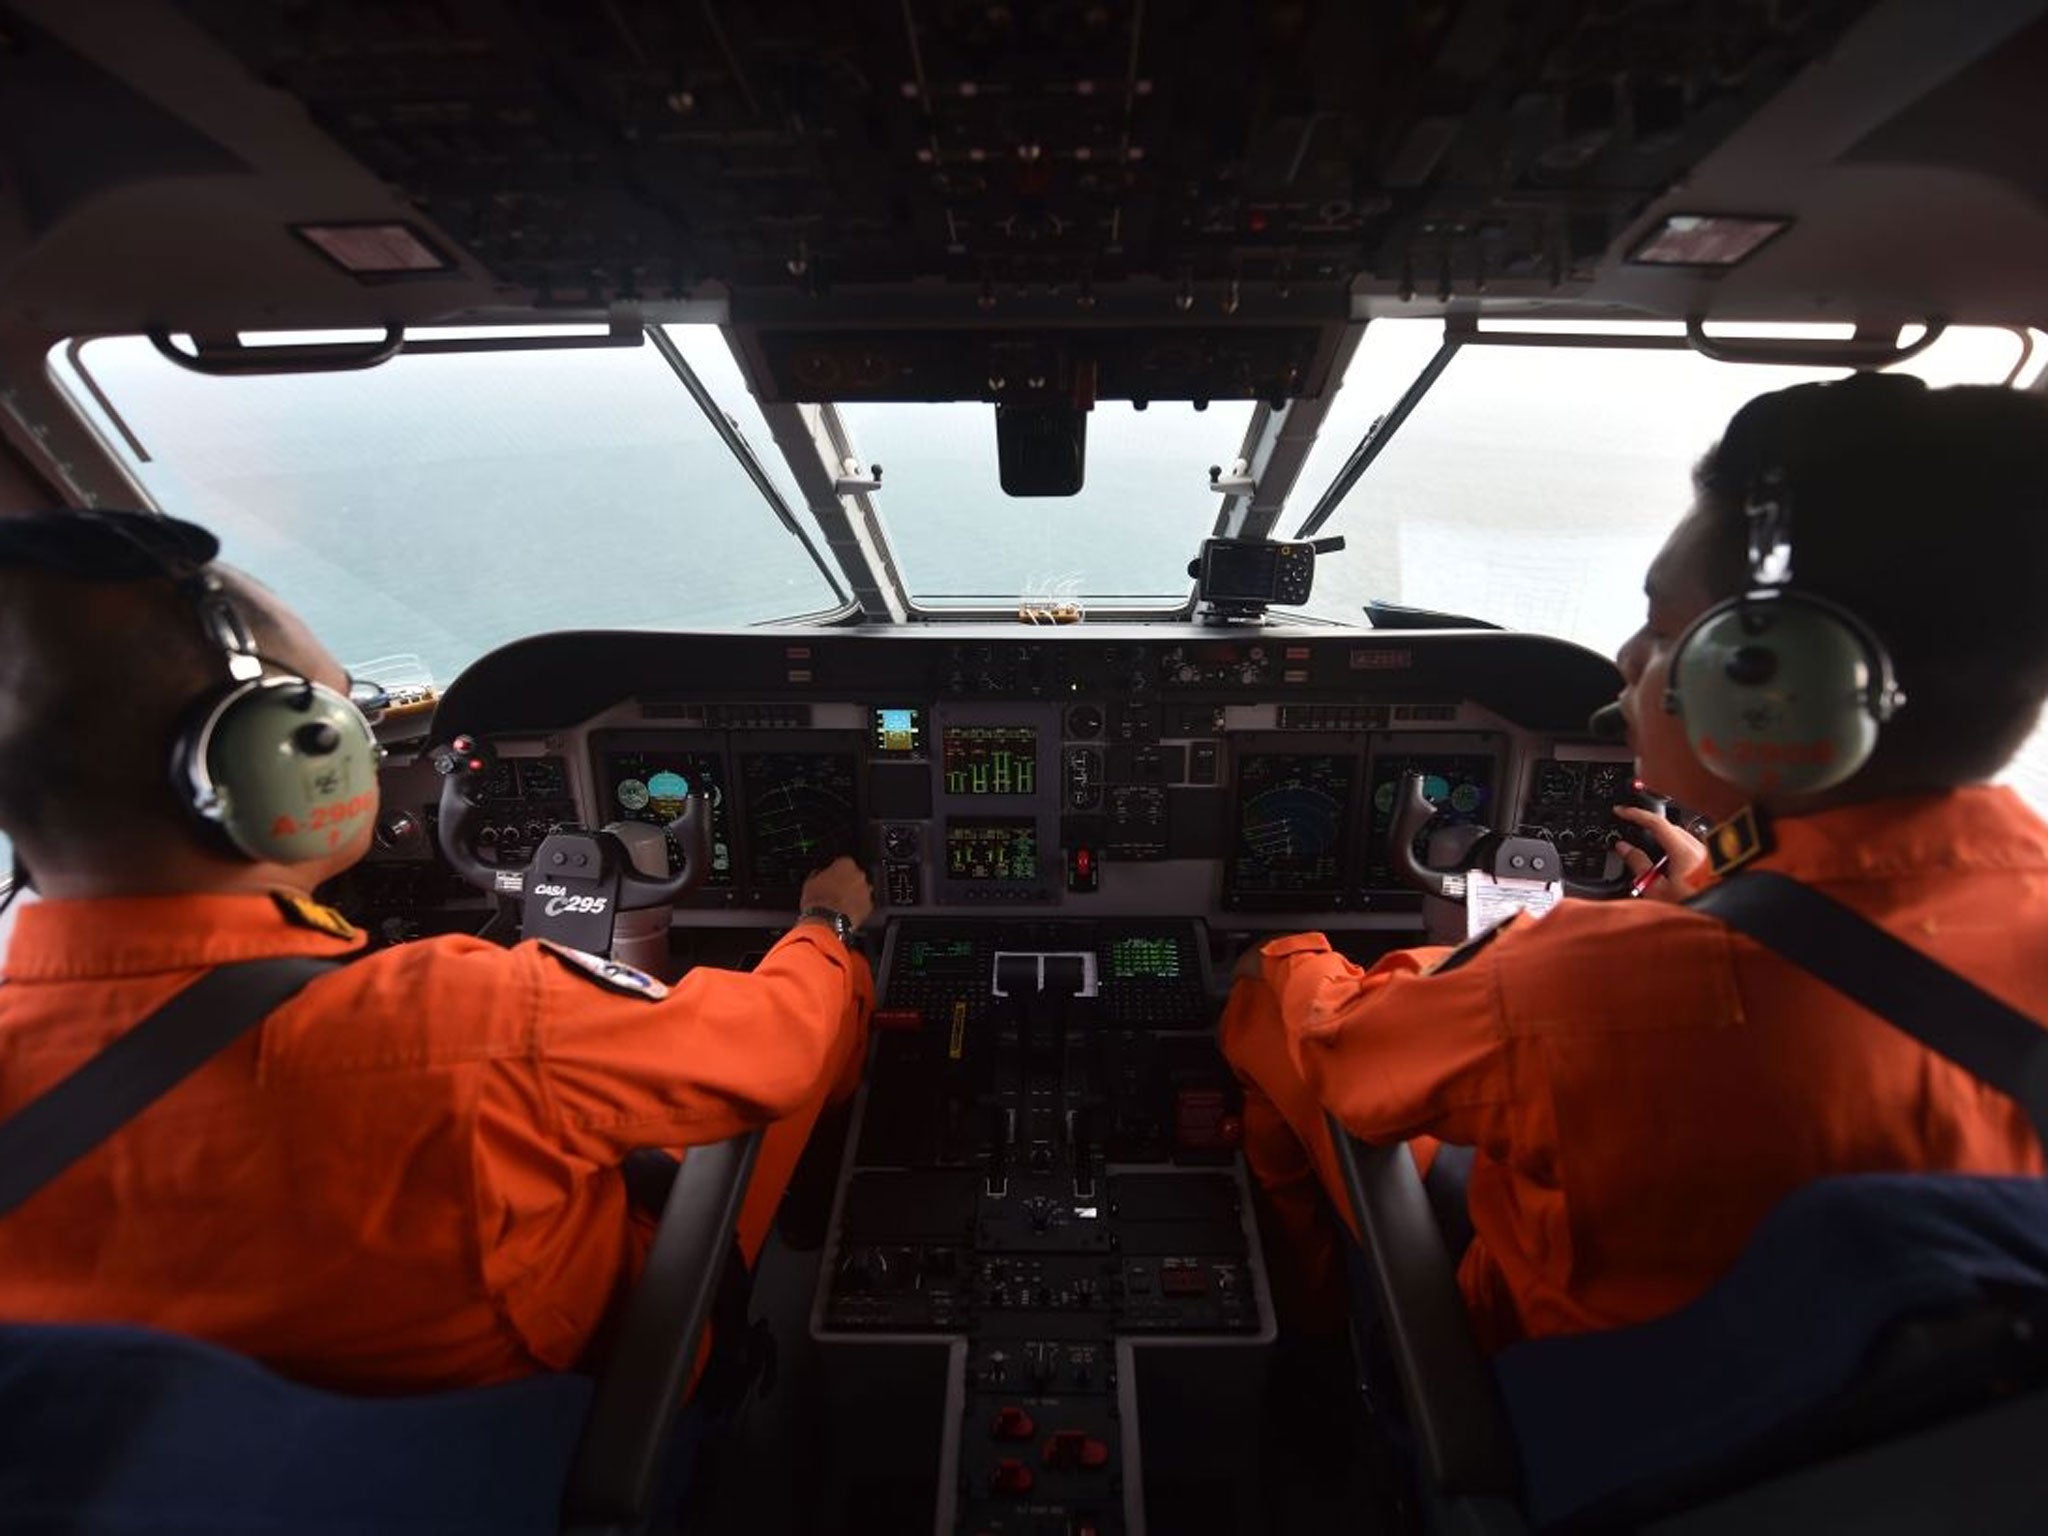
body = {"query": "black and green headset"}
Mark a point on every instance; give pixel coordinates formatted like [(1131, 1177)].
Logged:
[(1781, 691), (271, 767)]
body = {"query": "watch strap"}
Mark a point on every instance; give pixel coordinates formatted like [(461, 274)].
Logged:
[(842, 925)]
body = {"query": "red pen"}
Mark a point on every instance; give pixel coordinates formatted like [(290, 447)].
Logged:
[(1649, 876)]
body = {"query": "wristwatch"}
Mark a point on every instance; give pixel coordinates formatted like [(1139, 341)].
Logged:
[(841, 923)]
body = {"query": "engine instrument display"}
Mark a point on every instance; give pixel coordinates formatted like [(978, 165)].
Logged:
[(800, 813), (652, 786), (992, 848), (990, 759), (1460, 787), (1291, 814)]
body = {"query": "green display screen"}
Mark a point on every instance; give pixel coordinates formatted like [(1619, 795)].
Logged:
[(1144, 959)]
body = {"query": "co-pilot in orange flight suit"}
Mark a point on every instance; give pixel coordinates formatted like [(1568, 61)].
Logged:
[(407, 1177), (1642, 1083)]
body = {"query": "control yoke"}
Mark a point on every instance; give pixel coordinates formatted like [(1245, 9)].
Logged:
[(1505, 856), (568, 856)]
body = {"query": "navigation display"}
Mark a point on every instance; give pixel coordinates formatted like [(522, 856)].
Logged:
[(800, 813), (652, 786), (992, 848), (990, 759), (1460, 786), (1291, 813)]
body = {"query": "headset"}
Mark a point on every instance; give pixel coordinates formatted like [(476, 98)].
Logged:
[(270, 767), (276, 768), (1781, 691)]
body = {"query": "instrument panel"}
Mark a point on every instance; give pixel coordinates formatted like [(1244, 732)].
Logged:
[(1095, 776)]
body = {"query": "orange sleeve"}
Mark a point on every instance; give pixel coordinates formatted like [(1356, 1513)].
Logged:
[(1417, 1045), (723, 1052)]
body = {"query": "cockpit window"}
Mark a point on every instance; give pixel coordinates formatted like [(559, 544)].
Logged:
[(441, 505), (1532, 485), (1139, 518)]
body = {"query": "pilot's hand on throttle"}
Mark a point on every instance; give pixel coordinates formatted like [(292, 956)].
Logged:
[(1686, 854), (843, 886)]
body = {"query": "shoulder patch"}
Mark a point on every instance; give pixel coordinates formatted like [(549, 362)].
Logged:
[(609, 974), (302, 913)]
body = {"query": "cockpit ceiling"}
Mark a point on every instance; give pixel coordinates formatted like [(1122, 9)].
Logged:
[(592, 153), (836, 178)]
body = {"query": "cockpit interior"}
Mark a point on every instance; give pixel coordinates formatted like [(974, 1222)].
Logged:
[(1013, 446)]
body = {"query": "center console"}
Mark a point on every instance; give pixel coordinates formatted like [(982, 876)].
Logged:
[(1042, 1197)]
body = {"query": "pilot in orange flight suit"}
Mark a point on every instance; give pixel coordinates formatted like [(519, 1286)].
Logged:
[(408, 1177), (1640, 1082)]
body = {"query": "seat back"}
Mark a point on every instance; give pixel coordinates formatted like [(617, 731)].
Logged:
[(1863, 1305), (1906, 1309), (117, 1431)]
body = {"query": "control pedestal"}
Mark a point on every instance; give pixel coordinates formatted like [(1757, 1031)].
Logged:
[(1046, 1203)]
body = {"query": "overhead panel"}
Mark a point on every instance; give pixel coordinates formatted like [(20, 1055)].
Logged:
[(853, 174)]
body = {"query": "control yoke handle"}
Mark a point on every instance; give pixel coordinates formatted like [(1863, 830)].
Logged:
[(1514, 856), (464, 761)]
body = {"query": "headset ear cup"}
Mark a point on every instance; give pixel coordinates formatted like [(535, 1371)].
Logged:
[(283, 769), (1780, 692)]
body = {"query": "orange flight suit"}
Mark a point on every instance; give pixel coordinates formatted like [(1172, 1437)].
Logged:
[(408, 1176), (1641, 1082)]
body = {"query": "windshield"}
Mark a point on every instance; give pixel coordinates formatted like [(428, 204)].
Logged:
[(437, 506), (1130, 533), (585, 488), (1533, 484)]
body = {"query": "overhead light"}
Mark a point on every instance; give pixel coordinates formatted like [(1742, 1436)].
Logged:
[(373, 251), (1706, 239)]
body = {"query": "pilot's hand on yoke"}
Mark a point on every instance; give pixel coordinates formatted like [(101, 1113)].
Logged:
[(1683, 854), (842, 886)]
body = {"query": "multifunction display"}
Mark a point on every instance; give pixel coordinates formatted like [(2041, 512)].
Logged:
[(990, 759), (992, 848), (654, 786), (800, 813), (1144, 959), (1292, 809)]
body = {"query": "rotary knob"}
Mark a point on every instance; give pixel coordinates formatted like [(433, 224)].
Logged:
[(399, 832)]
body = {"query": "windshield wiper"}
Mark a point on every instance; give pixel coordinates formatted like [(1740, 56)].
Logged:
[(1378, 436), (742, 451)]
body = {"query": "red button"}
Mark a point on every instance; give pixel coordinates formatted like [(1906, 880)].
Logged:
[(1010, 1476), (1012, 1423)]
